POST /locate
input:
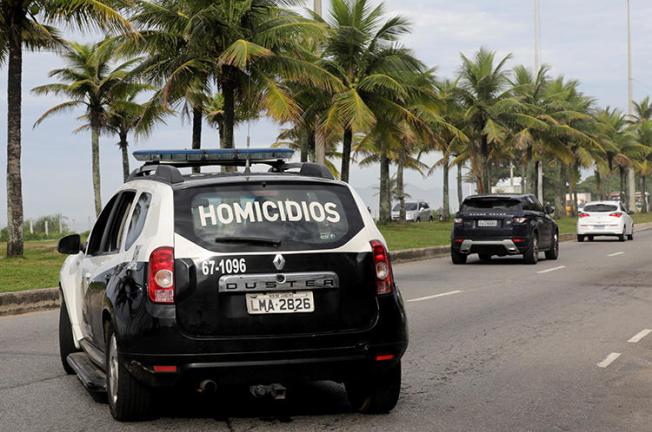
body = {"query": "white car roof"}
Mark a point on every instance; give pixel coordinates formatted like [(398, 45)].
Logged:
[(602, 202)]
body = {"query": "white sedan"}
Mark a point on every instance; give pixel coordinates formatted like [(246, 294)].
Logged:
[(604, 218)]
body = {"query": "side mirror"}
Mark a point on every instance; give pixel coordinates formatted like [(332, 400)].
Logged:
[(630, 212), (549, 209), (70, 245)]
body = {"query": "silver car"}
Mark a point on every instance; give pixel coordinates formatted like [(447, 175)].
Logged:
[(415, 211)]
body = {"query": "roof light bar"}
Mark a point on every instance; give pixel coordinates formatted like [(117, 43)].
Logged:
[(213, 156)]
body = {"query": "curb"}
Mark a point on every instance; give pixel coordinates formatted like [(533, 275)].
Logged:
[(14, 303)]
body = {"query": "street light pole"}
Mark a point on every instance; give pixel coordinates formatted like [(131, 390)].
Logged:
[(320, 145), (537, 66), (631, 176)]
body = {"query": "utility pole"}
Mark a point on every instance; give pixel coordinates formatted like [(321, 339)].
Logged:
[(537, 66), (631, 175), (320, 144)]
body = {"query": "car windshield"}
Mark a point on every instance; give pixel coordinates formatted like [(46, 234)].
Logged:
[(475, 204), (600, 208), (408, 207), (267, 215)]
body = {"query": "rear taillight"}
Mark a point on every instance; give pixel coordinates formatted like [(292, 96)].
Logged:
[(160, 287), (519, 220), (616, 215), (583, 215), (383, 268)]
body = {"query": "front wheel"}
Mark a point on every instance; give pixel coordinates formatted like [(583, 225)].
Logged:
[(458, 257), (128, 399), (377, 393), (66, 342), (553, 252), (531, 256)]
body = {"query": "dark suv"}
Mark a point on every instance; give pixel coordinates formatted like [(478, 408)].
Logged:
[(504, 225)]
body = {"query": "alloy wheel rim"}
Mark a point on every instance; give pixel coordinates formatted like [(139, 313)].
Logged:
[(113, 370)]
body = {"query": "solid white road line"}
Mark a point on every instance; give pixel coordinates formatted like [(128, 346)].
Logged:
[(551, 269), (640, 335), (616, 254), (608, 360), (434, 296)]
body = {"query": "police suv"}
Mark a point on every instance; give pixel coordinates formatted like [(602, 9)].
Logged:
[(253, 278)]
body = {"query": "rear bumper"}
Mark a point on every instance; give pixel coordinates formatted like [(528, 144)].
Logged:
[(608, 231), (491, 246)]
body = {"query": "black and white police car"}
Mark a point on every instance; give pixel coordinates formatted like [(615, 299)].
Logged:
[(253, 278)]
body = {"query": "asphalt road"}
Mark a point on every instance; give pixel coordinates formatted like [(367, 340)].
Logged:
[(497, 346)]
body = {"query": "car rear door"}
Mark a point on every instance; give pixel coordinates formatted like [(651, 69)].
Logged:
[(102, 257), (272, 258)]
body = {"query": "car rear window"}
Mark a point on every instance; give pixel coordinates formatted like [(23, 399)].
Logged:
[(600, 208), (292, 216), (479, 204)]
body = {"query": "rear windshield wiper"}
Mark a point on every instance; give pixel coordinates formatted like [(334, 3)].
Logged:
[(254, 240)]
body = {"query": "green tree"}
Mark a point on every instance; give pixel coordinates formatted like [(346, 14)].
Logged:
[(91, 83), (28, 24)]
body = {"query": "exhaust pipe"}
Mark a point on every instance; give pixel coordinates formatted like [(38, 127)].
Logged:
[(207, 386)]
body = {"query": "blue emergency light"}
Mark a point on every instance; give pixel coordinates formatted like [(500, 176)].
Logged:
[(214, 156)]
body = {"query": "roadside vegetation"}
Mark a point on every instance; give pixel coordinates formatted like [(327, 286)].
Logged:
[(343, 87)]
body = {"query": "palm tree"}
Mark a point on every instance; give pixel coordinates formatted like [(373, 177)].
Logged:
[(489, 107), (90, 83), (231, 43), (27, 23), (125, 115), (361, 52)]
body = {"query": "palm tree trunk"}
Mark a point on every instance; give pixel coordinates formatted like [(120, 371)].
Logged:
[(385, 193), (446, 208), (196, 132), (311, 144), (642, 189), (621, 172), (125, 155), (14, 180), (531, 172), (400, 185), (228, 91), (598, 184), (95, 163), (347, 140), (560, 196), (460, 193), (486, 166)]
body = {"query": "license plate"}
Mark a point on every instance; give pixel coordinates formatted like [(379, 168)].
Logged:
[(487, 223), (281, 302), (598, 227)]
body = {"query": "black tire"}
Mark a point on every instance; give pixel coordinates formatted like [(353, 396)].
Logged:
[(485, 257), (591, 238), (580, 238), (458, 257), (375, 394), (131, 400), (531, 256), (631, 236), (623, 237), (66, 342), (553, 252)]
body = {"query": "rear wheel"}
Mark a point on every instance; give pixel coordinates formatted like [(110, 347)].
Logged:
[(458, 257), (553, 252), (580, 238), (631, 236), (66, 342), (623, 236), (591, 238), (377, 393), (128, 399), (531, 256)]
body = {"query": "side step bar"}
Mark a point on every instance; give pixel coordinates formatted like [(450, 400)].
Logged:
[(89, 374)]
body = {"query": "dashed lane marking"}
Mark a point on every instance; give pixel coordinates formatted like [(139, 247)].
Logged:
[(430, 297), (551, 269), (616, 254), (640, 335), (608, 360)]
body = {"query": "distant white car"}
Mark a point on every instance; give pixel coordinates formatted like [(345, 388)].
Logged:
[(414, 211), (604, 218)]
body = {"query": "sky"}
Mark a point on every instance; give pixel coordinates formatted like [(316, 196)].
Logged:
[(581, 39)]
